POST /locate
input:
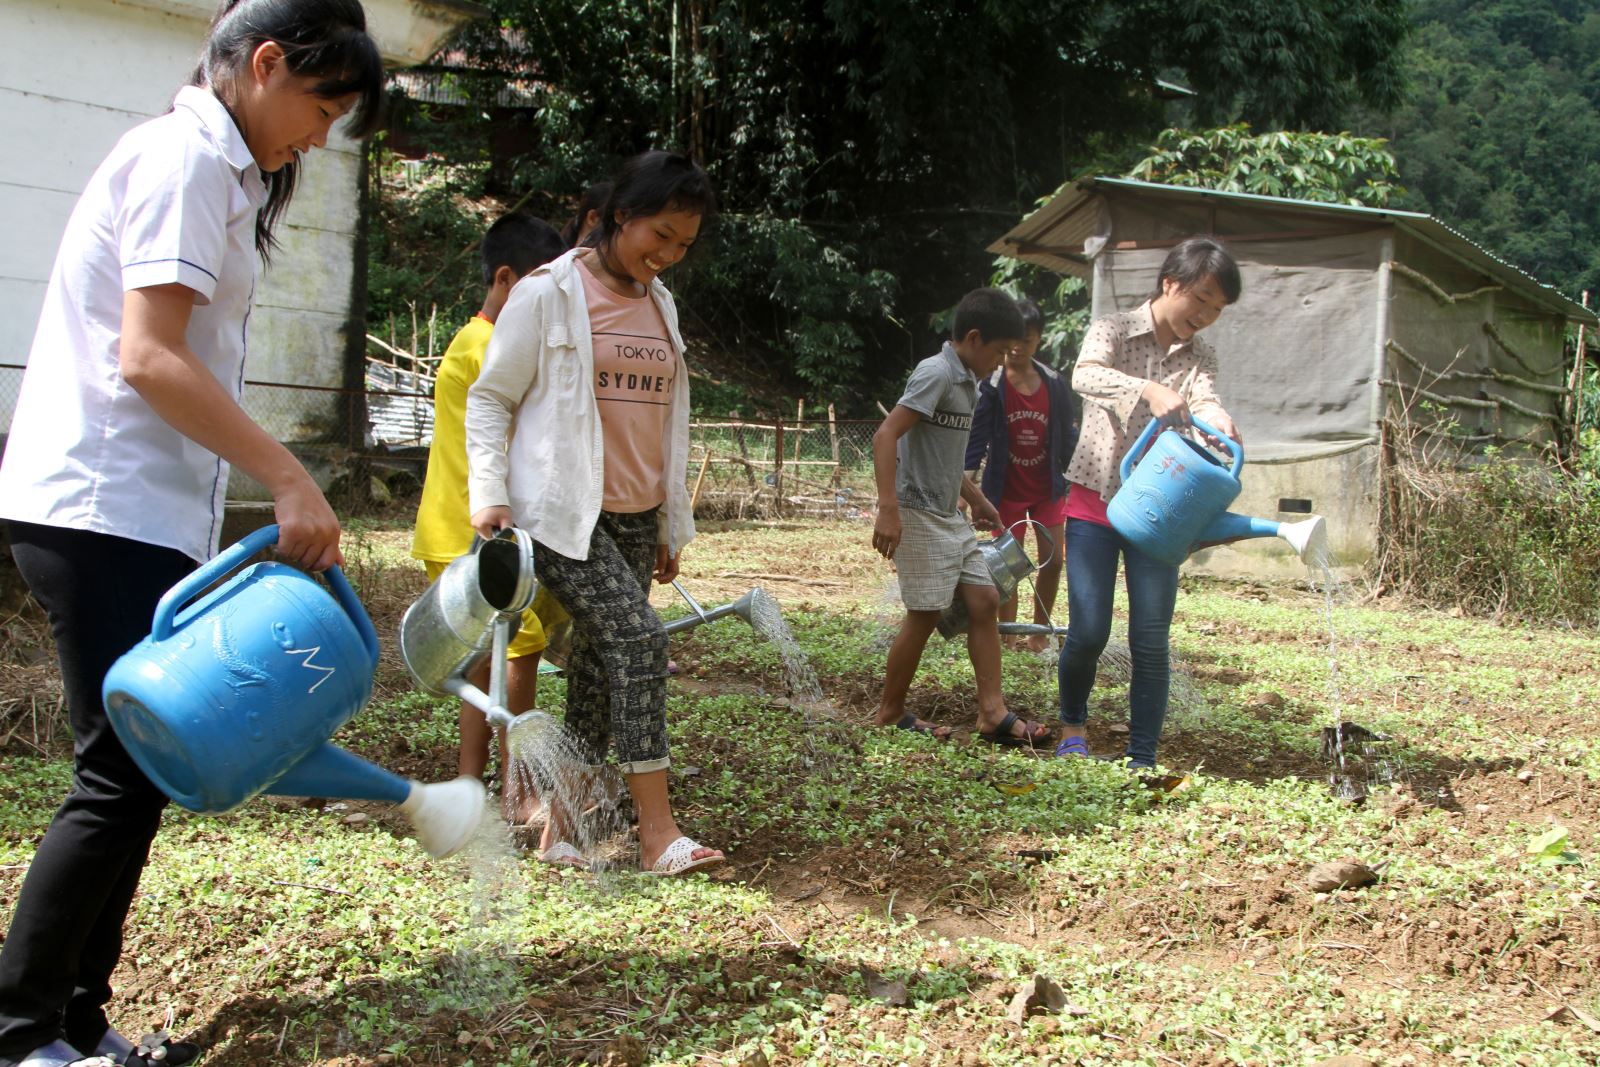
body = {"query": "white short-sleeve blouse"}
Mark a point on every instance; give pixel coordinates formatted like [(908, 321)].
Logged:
[(175, 201)]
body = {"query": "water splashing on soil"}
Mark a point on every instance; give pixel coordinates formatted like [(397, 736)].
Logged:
[(1346, 746), (478, 975)]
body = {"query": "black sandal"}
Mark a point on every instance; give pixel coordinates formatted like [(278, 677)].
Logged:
[(151, 1050)]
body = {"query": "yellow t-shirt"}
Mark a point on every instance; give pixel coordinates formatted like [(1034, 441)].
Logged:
[(444, 517)]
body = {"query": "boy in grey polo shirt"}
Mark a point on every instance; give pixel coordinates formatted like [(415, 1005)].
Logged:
[(918, 453)]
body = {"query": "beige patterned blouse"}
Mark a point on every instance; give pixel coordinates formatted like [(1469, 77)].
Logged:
[(1119, 356)]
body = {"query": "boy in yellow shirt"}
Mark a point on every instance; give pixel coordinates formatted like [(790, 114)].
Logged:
[(511, 248)]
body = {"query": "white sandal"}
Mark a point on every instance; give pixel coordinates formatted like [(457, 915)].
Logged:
[(678, 858), (562, 854)]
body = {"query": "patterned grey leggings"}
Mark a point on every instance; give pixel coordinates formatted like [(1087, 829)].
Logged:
[(617, 670)]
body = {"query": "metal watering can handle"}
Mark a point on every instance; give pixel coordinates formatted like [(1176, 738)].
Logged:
[(1043, 533), (1204, 427), (225, 561)]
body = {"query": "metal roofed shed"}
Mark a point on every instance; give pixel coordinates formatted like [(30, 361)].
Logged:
[(1347, 314)]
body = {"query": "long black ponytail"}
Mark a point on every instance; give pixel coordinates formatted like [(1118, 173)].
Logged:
[(322, 39)]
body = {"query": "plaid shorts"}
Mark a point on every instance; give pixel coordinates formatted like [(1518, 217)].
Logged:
[(936, 553)]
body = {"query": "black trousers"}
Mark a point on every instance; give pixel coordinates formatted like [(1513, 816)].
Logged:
[(65, 938)]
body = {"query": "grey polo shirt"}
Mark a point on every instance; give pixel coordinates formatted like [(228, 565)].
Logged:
[(930, 455)]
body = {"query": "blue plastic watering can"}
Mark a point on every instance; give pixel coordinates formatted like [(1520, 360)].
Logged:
[(237, 690), (1177, 495)]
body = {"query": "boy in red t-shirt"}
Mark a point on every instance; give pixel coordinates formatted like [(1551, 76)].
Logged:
[(1026, 425)]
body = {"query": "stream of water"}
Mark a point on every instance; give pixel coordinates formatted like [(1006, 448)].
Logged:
[(1347, 747)]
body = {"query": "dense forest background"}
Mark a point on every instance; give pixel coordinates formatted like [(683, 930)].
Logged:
[(1499, 131), (867, 151)]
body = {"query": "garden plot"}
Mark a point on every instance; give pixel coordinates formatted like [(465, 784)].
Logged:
[(888, 896)]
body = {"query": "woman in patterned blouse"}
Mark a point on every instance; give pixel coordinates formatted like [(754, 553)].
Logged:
[(1135, 366)]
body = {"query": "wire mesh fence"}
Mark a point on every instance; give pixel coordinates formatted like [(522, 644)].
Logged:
[(10, 387), (817, 468), (373, 442)]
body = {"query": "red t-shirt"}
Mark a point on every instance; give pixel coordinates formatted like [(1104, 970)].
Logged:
[(1028, 426), (1085, 503)]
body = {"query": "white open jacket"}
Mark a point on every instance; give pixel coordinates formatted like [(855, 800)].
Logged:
[(534, 441)]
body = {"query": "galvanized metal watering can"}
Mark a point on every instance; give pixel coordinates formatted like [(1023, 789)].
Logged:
[(1007, 562), (467, 615), (237, 690), (1177, 497)]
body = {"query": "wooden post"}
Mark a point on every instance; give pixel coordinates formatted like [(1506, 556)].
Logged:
[(777, 471), (700, 479), (799, 417), (744, 454), (433, 324), (1577, 380), (833, 439)]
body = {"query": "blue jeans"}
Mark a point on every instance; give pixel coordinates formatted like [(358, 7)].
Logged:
[(1092, 552)]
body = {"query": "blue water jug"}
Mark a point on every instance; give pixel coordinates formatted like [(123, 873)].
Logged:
[(1175, 497), (237, 690)]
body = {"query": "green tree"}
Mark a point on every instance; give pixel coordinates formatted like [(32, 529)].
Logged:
[(1298, 65), (1500, 135), (1330, 168), (866, 151)]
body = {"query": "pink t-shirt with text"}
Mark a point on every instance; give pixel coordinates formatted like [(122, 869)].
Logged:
[(634, 367)]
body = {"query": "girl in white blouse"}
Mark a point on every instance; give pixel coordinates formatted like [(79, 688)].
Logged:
[(578, 432), (118, 459)]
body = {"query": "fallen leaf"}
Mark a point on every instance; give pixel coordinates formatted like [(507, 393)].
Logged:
[(1167, 783), (1567, 1013), (625, 1051), (1340, 874), (1016, 790), (1036, 997), (1036, 855), (881, 988)]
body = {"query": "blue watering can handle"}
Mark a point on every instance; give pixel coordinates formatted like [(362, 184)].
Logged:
[(352, 607), (225, 561), (1204, 427)]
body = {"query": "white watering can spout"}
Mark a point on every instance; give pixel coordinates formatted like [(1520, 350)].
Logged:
[(444, 815), (1308, 538)]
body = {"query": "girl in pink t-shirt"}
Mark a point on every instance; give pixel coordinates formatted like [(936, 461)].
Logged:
[(590, 339)]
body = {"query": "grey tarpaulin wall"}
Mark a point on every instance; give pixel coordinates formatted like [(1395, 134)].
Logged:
[(1296, 352)]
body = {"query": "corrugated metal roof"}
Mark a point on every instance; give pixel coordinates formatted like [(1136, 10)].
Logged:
[(1053, 236), (399, 406)]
